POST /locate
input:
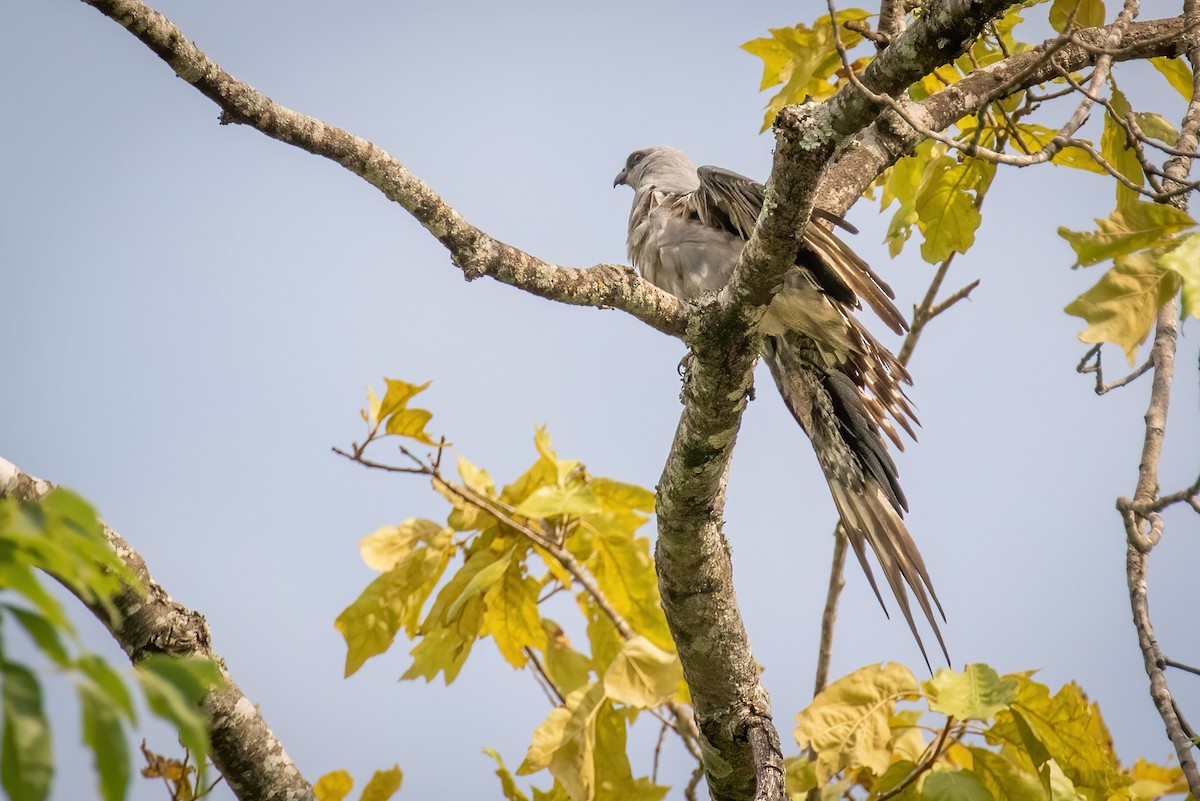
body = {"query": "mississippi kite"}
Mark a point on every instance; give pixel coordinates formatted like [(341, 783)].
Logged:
[(687, 229)]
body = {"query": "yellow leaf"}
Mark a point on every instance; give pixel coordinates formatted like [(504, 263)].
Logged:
[(1114, 146), (410, 423), (398, 394), (441, 651), (1066, 731), (476, 479), (555, 501), (385, 547), (619, 494), (508, 785), (798, 777), (945, 207), (1079, 13), (371, 413), (1135, 226), (482, 579), (1122, 305), (847, 723), (1177, 72), (565, 743), (1004, 776), (624, 570), (567, 668), (643, 675), (511, 615), (1152, 781), (333, 786), (392, 600), (1184, 259), (383, 785)]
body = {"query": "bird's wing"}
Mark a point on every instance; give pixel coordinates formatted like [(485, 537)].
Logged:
[(731, 201)]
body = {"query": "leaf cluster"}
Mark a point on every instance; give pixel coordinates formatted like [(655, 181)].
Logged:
[(61, 536), (489, 571), (938, 192), (971, 736)]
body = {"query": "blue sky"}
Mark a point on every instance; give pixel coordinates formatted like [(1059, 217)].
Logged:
[(192, 312)]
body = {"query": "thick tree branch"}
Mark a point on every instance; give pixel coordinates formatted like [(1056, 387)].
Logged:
[(694, 568), (890, 138), (244, 749), (472, 250)]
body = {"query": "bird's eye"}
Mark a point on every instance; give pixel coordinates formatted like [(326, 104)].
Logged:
[(634, 158)]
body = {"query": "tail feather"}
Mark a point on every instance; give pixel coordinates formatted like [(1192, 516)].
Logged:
[(861, 475)]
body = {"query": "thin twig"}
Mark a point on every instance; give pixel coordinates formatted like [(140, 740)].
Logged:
[(689, 792), (837, 580), (924, 765), (1180, 666), (1093, 355), (543, 679), (658, 746)]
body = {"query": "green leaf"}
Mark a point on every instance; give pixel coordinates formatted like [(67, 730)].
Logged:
[(105, 736), (643, 675), (42, 632), (1177, 72), (957, 786), (508, 785), (333, 786), (26, 762), (1184, 259), (108, 683), (975, 694), (1121, 307), (1134, 227), (383, 784), (847, 723), (175, 688), (21, 579)]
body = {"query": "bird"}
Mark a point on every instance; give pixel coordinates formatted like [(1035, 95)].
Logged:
[(687, 228)]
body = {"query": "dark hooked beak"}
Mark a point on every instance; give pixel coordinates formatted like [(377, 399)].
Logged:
[(620, 179)]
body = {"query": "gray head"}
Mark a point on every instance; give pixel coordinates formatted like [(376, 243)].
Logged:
[(663, 167)]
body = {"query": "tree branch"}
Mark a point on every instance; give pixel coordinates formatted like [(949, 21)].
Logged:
[(694, 568), (1162, 354), (472, 250), (244, 749), (888, 139)]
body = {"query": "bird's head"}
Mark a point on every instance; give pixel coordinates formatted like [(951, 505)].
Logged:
[(663, 167)]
